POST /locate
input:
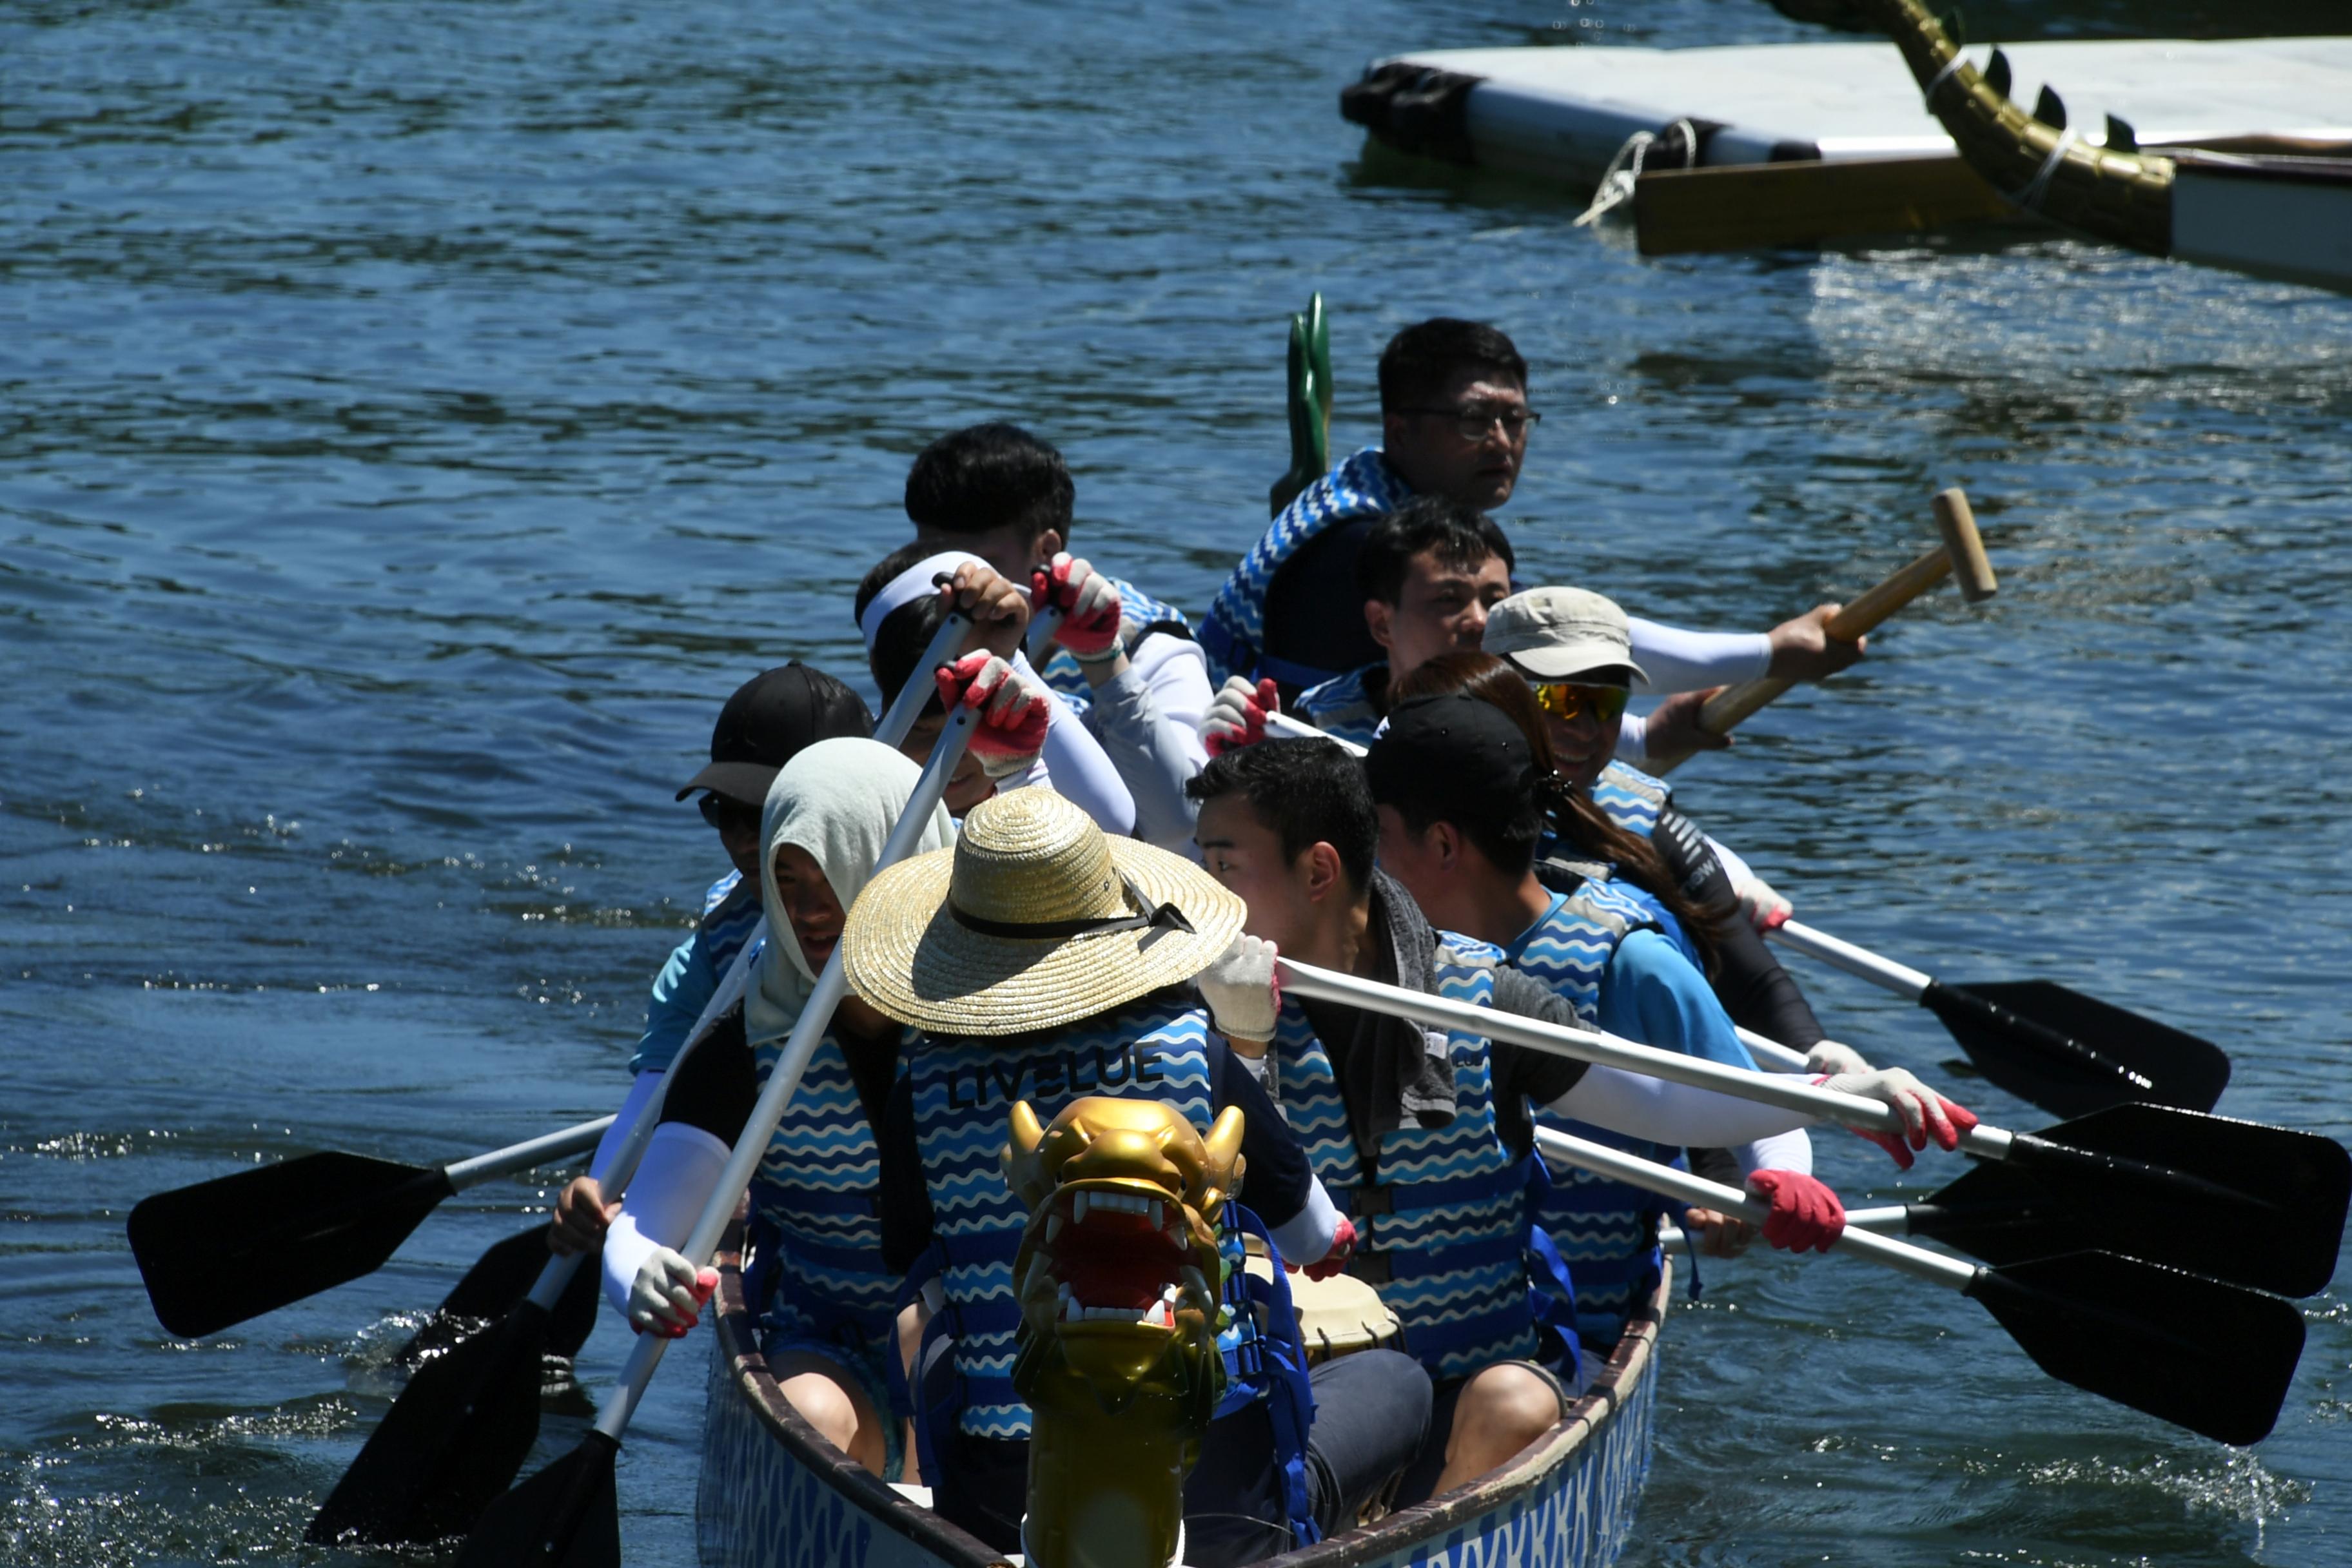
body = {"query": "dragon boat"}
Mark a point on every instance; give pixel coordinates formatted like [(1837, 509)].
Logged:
[(774, 1494)]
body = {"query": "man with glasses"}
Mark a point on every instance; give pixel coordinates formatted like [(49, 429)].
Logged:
[(1454, 424)]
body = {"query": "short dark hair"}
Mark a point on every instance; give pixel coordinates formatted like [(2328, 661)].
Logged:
[(1420, 360), (1460, 533), (1304, 793), (987, 477), (898, 644)]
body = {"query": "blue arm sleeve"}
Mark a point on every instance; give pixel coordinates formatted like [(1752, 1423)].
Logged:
[(681, 991), (1653, 996)]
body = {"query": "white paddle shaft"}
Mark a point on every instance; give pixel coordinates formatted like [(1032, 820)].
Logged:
[(1282, 726), (522, 1156), (1885, 1219), (1041, 634), (945, 644), (784, 1078), (1906, 983), (1602, 1161), (1610, 1051)]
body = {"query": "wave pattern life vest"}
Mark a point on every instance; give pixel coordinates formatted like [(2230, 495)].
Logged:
[(1140, 615), (730, 910), (1233, 634), (964, 1093), (1631, 798), (815, 1211), (1442, 1220), (1343, 707), (1606, 1232)]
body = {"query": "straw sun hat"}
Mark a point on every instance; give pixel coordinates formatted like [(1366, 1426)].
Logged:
[(1035, 919)]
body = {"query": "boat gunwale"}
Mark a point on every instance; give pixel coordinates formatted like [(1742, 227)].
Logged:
[(1586, 1420)]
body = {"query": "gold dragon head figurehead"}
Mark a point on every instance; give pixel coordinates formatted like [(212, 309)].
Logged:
[(1119, 1276)]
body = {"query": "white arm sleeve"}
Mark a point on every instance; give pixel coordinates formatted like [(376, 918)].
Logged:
[(1633, 739), (1075, 764), (642, 1090), (1154, 749), (1642, 1106), (1733, 866), (676, 1178), (1781, 1152), (1309, 1233), (1678, 660)]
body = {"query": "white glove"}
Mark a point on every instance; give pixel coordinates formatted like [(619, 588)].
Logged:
[(1766, 910), (1829, 1057), (1237, 715), (1925, 1114), (1243, 990), (667, 1296), (1013, 709), (1090, 606)]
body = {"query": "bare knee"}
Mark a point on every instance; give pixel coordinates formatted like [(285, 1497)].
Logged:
[(1502, 1410), (826, 1405)]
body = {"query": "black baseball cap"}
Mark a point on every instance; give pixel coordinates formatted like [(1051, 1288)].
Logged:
[(1453, 758), (768, 721)]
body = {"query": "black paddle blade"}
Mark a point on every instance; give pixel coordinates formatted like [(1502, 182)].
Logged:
[(2072, 1054), (2264, 1205), (495, 1286), (449, 1445), (2199, 1354), (222, 1251), (567, 1516)]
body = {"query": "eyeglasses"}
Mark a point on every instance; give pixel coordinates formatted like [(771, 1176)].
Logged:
[(1471, 424), (729, 815), (1566, 702)]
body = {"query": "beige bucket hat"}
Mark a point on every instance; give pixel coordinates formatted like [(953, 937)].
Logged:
[(1562, 633), (1035, 919)]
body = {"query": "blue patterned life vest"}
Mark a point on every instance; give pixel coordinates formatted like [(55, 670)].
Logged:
[(817, 1215), (964, 1091), (1631, 798), (1343, 707), (1606, 1232), (1139, 614), (1444, 1214), (730, 909), (1233, 634)]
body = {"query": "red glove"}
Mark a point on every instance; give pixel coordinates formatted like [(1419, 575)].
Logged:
[(1343, 1246), (1088, 603), (1237, 715), (1012, 710), (1806, 1215)]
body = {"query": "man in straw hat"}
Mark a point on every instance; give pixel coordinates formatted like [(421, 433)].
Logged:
[(1044, 961), (1445, 1198)]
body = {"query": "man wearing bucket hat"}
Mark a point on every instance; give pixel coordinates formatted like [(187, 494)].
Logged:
[(1043, 963), (1429, 572), (1445, 1196), (1573, 647)]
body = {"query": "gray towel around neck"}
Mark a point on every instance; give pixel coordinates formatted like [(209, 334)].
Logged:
[(1391, 1073)]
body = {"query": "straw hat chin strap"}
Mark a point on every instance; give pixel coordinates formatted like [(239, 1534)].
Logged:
[(1157, 919)]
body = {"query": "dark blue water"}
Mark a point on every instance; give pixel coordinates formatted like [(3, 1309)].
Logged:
[(414, 422)]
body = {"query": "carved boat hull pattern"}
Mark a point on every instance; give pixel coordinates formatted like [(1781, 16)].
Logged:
[(774, 1495)]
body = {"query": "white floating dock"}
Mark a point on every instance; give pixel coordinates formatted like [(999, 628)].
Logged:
[(1563, 113)]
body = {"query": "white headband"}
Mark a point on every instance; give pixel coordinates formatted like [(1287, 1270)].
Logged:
[(915, 583)]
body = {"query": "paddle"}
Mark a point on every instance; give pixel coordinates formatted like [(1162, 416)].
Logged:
[(1308, 406), (454, 1439), (569, 1513), (2067, 1052), (231, 1248), (2213, 1358), (498, 1281), (1961, 554), (2274, 1199)]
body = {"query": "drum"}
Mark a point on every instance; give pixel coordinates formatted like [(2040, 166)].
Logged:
[(1337, 1316)]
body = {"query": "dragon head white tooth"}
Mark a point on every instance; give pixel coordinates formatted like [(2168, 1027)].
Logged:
[(1052, 1227), (1078, 1207)]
